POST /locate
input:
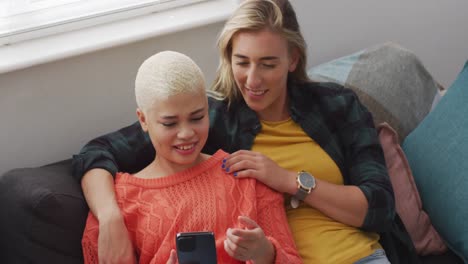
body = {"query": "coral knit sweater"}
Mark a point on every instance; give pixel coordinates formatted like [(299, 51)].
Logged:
[(202, 198)]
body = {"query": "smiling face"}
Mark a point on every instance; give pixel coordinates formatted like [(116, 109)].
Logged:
[(260, 64), (178, 127)]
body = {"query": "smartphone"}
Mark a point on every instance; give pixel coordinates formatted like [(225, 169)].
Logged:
[(196, 248)]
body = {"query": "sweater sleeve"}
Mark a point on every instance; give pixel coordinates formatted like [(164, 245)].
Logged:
[(272, 219), (89, 241)]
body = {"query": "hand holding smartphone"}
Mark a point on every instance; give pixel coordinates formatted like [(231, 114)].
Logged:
[(196, 248)]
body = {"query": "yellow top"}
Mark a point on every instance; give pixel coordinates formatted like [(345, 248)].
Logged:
[(319, 238)]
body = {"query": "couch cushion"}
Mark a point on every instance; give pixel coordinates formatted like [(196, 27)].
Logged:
[(437, 151), (389, 80), (43, 215), (425, 238)]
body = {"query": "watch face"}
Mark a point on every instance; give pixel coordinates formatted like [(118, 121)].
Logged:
[(306, 180)]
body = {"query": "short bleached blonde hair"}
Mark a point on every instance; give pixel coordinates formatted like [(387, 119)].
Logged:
[(165, 74)]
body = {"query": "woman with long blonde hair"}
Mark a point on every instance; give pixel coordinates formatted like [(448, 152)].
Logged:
[(314, 142)]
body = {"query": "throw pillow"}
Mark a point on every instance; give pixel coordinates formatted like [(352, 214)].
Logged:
[(389, 80), (437, 151), (425, 238)]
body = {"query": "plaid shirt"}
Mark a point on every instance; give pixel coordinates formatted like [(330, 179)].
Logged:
[(330, 114)]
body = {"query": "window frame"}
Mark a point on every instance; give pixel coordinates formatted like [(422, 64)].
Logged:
[(32, 52), (77, 15)]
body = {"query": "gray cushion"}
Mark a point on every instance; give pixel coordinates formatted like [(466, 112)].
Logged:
[(389, 80)]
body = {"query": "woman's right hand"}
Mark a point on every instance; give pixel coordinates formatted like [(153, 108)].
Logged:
[(114, 244), (248, 242)]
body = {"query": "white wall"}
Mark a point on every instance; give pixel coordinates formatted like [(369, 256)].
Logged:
[(48, 112), (435, 30)]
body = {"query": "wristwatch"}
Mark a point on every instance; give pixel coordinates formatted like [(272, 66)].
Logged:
[(305, 184)]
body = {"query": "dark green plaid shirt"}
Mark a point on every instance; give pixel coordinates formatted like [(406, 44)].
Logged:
[(328, 113)]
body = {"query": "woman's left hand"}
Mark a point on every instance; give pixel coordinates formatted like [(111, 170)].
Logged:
[(248, 242), (245, 163)]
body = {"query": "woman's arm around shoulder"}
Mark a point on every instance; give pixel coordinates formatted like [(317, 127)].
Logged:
[(98, 161), (128, 149)]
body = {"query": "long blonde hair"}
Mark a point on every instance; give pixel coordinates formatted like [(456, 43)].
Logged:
[(255, 15)]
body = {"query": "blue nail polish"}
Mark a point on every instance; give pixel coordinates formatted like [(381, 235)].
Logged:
[(224, 161), (227, 169), (235, 174), (222, 166)]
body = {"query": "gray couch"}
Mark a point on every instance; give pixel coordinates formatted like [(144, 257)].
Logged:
[(43, 211)]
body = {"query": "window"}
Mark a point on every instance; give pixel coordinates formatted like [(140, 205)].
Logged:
[(27, 19)]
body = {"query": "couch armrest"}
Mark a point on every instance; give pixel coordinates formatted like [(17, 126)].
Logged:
[(43, 214)]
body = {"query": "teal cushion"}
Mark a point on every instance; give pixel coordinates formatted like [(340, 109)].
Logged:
[(437, 151)]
